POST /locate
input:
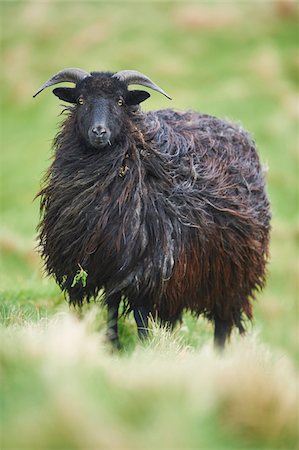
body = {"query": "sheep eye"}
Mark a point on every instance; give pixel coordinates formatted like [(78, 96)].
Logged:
[(80, 100), (120, 102)]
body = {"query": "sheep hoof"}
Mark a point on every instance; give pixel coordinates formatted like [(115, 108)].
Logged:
[(141, 319), (113, 339), (142, 333), (221, 333)]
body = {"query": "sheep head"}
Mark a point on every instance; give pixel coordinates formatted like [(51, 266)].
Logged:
[(102, 100)]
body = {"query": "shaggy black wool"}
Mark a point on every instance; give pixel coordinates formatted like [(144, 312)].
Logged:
[(173, 215)]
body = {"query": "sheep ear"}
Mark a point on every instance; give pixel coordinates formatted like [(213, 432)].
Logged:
[(136, 97), (69, 95)]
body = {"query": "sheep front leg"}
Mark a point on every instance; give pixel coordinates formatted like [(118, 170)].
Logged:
[(141, 319), (112, 321)]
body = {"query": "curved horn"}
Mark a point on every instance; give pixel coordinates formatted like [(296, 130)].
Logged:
[(134, 77), (73, 75)]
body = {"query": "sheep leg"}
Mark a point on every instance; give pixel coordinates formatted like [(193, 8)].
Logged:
[(221, 332), (112, 328), (141, 319), (171, 323)]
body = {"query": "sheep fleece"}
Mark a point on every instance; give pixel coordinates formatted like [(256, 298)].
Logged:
[(174, 215)]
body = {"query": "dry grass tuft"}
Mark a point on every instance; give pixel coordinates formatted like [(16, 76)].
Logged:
[(248, 392), (259, 400)]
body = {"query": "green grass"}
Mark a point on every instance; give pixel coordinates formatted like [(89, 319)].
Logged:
[(61, 387)]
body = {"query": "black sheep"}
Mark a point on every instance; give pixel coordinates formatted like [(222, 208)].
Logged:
[(164, 210)]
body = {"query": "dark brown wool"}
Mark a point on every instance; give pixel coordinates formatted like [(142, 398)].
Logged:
[(172, 216)]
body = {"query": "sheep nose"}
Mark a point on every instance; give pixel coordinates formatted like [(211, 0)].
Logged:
[(99, 131)]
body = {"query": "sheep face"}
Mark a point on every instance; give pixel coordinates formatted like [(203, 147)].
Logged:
[(102, 107), (99, 119)]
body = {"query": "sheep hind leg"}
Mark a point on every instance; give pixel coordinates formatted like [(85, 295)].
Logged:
[(141, 319), (170, 324), (112, 320), (222, 331)]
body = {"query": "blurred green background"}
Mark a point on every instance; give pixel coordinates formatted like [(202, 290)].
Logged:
[(233, 60)]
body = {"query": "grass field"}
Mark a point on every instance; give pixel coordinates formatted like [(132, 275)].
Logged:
[(61, 387)]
